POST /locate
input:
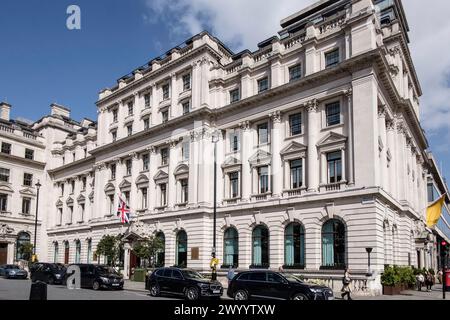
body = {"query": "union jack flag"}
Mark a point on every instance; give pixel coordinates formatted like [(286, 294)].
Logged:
[(123, 211)]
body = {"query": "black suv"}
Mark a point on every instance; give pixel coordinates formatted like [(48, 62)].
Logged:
[(50, 273), (275, 285), (98, 276), (184, 282)]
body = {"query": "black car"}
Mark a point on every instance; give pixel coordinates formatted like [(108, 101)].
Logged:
[(98, 277), (275, 285), (11, 271), (184, 282), (50, 273)]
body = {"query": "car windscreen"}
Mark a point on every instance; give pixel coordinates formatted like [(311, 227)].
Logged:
[(12, 267), (106, 270), (189, 274), (291, 277)]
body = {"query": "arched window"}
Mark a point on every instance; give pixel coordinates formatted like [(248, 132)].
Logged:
[(161, 254), (89, 251), (23, 246), (77, 251), (333, 245), (294, 246), (66, 252), (231, 248), (181, 254), (260, 246), (55, 252)]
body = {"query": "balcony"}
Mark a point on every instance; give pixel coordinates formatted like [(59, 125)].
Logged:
[(261, 197), (333, 186), (294, 192), (231, 200)]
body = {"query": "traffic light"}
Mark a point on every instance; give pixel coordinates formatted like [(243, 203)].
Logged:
[(445, 248)]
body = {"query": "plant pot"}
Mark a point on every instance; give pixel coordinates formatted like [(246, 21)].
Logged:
[(388, 290)]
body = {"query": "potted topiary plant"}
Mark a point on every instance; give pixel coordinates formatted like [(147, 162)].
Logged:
[(390, 281)]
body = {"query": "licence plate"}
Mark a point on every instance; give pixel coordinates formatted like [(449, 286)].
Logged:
[(115, 284), (330, 298), (216, 291)]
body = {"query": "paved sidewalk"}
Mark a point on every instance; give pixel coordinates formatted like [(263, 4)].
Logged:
[(134, 286), (435, 294)]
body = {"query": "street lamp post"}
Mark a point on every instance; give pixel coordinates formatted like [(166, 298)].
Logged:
[(38, 186), (215, 139), (369, 251)]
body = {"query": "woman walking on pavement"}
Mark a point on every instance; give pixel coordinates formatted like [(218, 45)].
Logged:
[(346, 290)]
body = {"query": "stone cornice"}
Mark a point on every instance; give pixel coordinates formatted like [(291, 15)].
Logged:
[(153, 74), (23, 161), (72, 165)]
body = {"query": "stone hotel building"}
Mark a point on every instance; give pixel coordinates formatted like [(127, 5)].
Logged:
[(319, 148)]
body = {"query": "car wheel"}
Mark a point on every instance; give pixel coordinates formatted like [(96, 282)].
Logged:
[(50, 280), (96, 285), (191, 294), (154, 290), (299, 296), (240, 295)]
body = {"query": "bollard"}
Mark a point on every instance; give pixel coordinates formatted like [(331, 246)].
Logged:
[(38, 291)]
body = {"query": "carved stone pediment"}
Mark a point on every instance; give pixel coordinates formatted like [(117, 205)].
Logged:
[(294, 149), (161, 175), (260, 158), (332, 138)]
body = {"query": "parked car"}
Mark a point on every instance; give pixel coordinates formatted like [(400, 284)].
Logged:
[(98, 277), (50, 273), (11, 271), (183, 282), (275, 285)]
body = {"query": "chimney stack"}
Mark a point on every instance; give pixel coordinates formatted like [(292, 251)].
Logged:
[(5, 110), (57, 109)]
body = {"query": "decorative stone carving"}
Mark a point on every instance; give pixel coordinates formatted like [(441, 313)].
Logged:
[(390, 125), (276, 116), (312, 105), (5, 229), (382, 111), (349, 93), (245, 125)]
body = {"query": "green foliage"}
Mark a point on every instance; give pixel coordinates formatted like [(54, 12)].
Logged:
[(396, 275), (26, 250), (110, 247), (148, 249)]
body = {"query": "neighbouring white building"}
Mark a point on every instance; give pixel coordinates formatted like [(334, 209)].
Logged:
[(320, 155)]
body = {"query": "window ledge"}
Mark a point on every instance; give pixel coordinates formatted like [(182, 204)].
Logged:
[(232, 200), (182, 205), (261, 196), (334, 126), (332, 186), (294, 192), (300, 135), (161, 208)]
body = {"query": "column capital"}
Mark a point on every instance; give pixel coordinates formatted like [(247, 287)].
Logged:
[(312, 105), (349, 93), (172, 143), (245, 125), (134, 155), (390, 125), (276, 116), (382, 111)]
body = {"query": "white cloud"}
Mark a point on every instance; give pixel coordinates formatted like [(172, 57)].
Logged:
[(242, 24)]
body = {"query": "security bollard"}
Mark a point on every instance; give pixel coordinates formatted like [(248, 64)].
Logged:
[(38, 291)]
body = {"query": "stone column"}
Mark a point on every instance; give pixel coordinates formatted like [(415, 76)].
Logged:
[(204, 92), (193, 169), (401, 161), (126, 261), (383, 137), (246, 149), (135, 169), (275, 145), (174, 96), (313, 131), (350, 147), (154, 103), (391, 147), (196, 85), (171, 187), (153, 169)]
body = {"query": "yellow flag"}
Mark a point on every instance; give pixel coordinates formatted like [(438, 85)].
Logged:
[(434, 212)]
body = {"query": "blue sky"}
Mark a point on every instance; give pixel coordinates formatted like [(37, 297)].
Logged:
[(41, 61)]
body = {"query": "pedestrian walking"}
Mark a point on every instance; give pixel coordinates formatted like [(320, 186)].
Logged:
[(230, 274), (346, 290), (429, 281), (439, 274), (420, 280), (280, 269)]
